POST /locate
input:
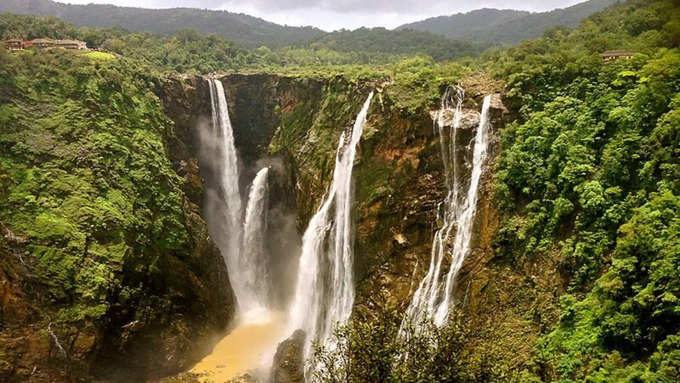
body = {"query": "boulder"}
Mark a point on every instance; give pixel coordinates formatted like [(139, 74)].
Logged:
[(288, 364)]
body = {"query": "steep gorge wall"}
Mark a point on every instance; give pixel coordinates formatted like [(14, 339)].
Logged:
[(183, 297), (399, 184), (116, 304), (399, 179)]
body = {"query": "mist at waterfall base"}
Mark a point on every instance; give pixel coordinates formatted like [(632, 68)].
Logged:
[(323, 292), (257, 237), (228, 184), (433, 299)]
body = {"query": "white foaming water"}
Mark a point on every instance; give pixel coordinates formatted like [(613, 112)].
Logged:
[(253, 263), (433, 298), (241, 244), (227, 174), (324, 292)]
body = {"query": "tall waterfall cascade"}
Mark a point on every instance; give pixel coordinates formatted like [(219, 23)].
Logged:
[(324, 292), (433, 299), (241, 239), (254, 265)]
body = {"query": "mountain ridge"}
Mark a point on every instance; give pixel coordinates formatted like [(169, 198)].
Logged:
[(240, 28), (506, 26)]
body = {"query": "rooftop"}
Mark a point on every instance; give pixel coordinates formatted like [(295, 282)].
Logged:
[(617, 52), (38, 41)]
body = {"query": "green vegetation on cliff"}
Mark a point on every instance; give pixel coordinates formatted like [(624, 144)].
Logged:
[(106, 245), (83, 168), (590, 172), (588, 177)]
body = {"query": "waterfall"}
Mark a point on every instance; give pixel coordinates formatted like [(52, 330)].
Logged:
[(254, 264), (324, 292), (433, 298), (227, 176), (241, 244)]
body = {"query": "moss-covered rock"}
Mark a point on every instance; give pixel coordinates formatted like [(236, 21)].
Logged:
[(106, 262)]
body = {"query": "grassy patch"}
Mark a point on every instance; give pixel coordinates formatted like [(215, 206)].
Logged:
[(100, 55)]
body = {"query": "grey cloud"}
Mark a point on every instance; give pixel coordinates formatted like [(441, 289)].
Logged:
[(340, 5), (406, 6), (335, 14), (352, 6)]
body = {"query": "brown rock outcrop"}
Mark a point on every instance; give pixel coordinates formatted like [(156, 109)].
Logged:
[(288, 364)]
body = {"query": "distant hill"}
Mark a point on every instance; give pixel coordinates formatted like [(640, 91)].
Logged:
[(506, 26), (466, 25), (443, 37), (245, 30), (407, 42)]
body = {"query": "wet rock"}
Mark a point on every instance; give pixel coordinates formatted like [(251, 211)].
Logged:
[(288, 364), (245, 378)]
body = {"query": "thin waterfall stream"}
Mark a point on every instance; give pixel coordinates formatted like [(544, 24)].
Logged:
[(324, 292), (240, 234), (451, 243), (254, 264), (226, 227)]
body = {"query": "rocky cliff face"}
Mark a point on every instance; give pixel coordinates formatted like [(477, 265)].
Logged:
[(298, 121), (155, 307), (180, 297), (399, 183)]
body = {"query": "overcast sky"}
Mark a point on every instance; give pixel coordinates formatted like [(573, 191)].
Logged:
[(337, 14)]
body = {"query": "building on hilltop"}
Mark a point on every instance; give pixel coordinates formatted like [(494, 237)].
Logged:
[(14, 45), (40, 43), (71, 44), (616, 54)]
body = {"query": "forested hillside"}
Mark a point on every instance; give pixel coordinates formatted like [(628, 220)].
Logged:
[(589, 174), (95, 225), (242, 29), (465, 34), (472, 25), (190, 51), (400, 42), (493, 26)]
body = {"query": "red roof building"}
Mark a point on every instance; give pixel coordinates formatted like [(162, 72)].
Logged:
[(14, 45)]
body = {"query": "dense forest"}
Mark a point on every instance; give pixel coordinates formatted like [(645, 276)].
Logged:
[(400, 42), (207, 41), (189, 51), (589, 172), (586, 182), (493, 26), (242, 29)]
